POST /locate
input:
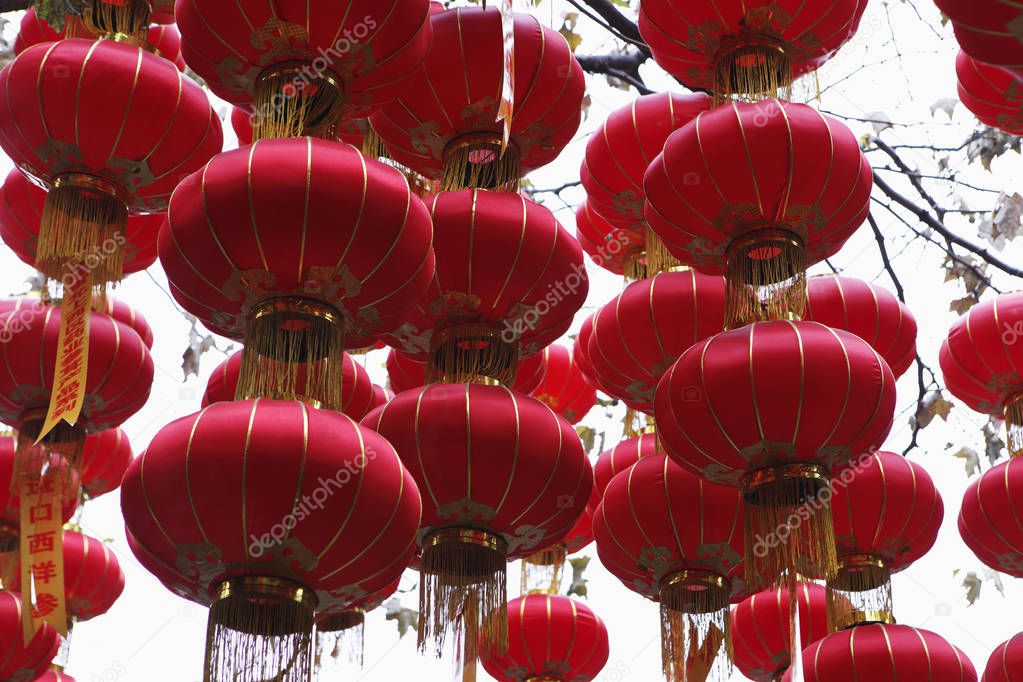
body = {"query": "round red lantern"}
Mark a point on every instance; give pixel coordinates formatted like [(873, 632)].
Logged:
[(508, 280), (887, 514), (105, 458), (117, 380), (617, 250), (549, 638), (361, 259), (981, 360), (304, 67), (988, 517), (884, 653), (125, 314), (993, 94), (380, 395), (804, 190), (447, 128), (148, 127), (502, 476), (987, 30), (564, 388), (614, 461), (640, 333), (336, 520), (617, 157), (752, 48), (777, 408), (20, 661), (1006, 662), (163, 40), (870, 312), (405, 373), (93, 579), (21, 215), (677, 539), (356, 389), (762, 627), (580, 348)]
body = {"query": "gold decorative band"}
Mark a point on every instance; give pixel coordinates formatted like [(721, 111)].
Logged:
[(93, 183), (466, 536), (265, 589), (786, 472), (298, 305)]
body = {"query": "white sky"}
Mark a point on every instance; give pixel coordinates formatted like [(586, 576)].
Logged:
[(151, 635)]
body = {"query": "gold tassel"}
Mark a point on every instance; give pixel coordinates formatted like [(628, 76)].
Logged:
[(541, 571), (294, 350), (788, 528), (860, 593), (126, 20), (290, 101), (477, 160), (373, 146), (766, 278), (658, 257), (9, 548), (58, 454), (752, 70), (471, 353), (1013, 410), (82, 228), (260, 629), (695, 628), (344, 633), (635, 267), (463, 591)]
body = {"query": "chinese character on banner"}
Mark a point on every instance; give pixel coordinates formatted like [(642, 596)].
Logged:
[(42, 554), (69, 375)]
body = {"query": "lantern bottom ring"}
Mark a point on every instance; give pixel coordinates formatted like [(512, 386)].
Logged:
[(694, 591), (265, 591), (813, 475), (346, 620)]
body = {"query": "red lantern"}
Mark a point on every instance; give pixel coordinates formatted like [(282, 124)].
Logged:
[(804, 189), (762, 627), (617, 250), (502, 476), (677, 539), (19, 661), (549, 638), (617, 156), (988, 517), (639, 334), (987, 30), (105, 458), (777, 408), (564, 388), (509, 278), (93, 579), (884, 653), (405, 373), (380, 396), (148, 127), (612, 462), (993, 94), (304, 67), (118, 379), (746, 47), (356, 390), (162, 40), (361, 259), (870, 312), (887, 514), (336, 520), (1006, 662), (981, 361), (21, 215), (447, 128)]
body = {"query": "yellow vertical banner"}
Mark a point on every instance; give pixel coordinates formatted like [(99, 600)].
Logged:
[(69, 374), (506, 111), (42, 555)]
